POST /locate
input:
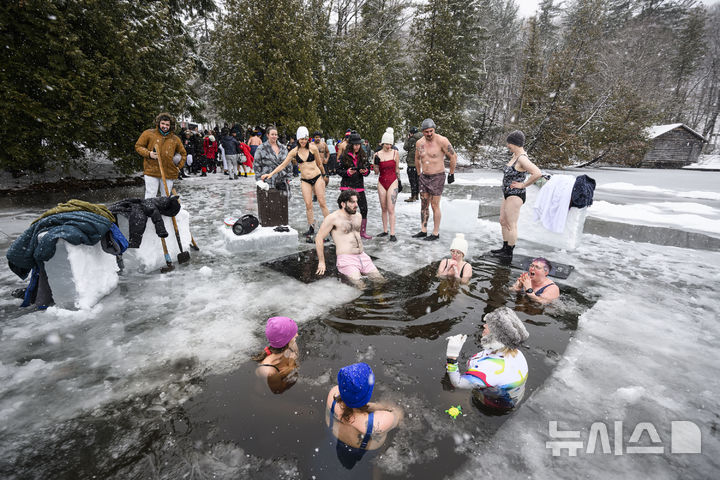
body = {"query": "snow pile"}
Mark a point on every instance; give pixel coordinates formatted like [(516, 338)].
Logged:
[(685, 216), (149, 256), (80, 275), (706, 162), (262, 238), (457, 215), (533, 231)]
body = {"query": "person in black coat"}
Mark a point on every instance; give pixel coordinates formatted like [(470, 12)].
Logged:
[(353, 166)]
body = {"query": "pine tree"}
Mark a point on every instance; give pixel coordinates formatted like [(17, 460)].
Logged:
[(263, 70), (444, 39), (86, 76)]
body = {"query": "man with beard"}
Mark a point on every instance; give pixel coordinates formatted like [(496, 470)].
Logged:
[(430, 153), (157, 145), (344, 226), (498, 373), (535, 282)]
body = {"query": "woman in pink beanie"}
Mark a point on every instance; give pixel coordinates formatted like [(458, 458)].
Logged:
[(278, 361)]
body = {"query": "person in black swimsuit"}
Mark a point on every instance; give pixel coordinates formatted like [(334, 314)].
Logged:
[(535, 282), (310, 164), (278, 361), (456, 266), (514, 185)]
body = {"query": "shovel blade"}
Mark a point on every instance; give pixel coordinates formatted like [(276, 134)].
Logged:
[(167, 269), (183, 257)]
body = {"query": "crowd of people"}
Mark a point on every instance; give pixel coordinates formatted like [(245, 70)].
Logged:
[(496, 374)]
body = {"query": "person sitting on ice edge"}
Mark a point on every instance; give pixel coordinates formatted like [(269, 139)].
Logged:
[(498, 373), (344, 226)]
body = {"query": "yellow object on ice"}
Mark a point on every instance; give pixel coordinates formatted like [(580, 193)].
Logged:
[(454, 411)]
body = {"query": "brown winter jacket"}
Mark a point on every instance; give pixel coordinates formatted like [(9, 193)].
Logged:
[(167, 146)]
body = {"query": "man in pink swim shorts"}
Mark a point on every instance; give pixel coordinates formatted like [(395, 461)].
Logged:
[(344, 226)]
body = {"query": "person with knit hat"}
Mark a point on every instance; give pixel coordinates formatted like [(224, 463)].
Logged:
[(358, 424), (430, 153), (498, 373), (535, 282), (278, 361), (514, 185), (160, 144), (456, 266), (310, 162), (353, 167), (387, 165)]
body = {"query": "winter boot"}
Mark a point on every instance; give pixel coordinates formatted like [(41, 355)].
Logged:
[(363, 226), (413, 198), (500, 250), (310, 231), (507, 253)]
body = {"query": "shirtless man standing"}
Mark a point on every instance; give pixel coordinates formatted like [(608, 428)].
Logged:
[(430, 152), (344, 226), (324, 153), (342, 146)]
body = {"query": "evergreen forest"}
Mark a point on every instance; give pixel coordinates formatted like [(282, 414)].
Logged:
[(582, 78)]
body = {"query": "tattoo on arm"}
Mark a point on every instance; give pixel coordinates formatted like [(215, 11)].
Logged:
[(450, 150)]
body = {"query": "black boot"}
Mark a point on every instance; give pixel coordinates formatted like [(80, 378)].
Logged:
[(500, 250), (508, 252), (310, 231)]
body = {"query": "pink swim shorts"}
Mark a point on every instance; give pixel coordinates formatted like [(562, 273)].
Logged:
[(355, 265)]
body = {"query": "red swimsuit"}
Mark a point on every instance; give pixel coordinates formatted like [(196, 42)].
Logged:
[(387, 173)]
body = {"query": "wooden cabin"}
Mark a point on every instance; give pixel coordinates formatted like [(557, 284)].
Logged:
[(673, 146)]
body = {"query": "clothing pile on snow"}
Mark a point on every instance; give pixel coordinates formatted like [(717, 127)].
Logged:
[(583, 192), (138, 210), (76, 222)]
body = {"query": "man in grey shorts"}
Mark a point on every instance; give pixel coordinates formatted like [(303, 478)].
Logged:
[(430, 152)]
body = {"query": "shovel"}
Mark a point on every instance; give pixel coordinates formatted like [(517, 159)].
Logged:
[(183, 257), (193, 244)]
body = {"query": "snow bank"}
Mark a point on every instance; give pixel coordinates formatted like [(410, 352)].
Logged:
[(533, 231), (80, 275), (262, 238), (149, 256)]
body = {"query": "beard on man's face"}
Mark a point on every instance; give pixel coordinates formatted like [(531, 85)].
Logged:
[(350, 209)]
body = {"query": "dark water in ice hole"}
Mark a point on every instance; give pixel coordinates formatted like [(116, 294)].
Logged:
[(234, 426)]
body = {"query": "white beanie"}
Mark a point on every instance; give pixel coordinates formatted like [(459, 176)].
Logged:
[(388, 136), (302, 132), (212, 138), (459, 243)]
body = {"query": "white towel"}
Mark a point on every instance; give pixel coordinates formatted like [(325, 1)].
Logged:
[(553, 202)]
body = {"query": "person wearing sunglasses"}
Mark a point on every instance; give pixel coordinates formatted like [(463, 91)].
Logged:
[(535, 282)]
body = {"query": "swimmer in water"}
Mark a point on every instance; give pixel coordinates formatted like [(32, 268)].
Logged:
[(358, 424), (535, 282), (498, 373), (456, 266), (278, 361)]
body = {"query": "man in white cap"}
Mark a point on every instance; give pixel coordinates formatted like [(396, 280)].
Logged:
[(430, 153), (498, 373)]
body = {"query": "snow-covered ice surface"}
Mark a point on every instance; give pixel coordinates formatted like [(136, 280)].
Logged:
[(123, 388)]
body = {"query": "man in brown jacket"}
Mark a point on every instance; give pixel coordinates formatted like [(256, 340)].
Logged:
[(162, 140)]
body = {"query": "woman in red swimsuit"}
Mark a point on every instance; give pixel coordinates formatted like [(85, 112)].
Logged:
[(387, 164)]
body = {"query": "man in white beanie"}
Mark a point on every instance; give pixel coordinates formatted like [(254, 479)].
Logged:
[(456, 266), (497, 373)]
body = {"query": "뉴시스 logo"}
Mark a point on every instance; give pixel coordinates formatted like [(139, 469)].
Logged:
[(685, 437)]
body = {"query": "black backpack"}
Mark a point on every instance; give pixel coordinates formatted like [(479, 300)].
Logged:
[(245, 224)]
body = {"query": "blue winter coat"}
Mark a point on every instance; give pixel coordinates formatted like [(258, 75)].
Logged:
[(29, 251)]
